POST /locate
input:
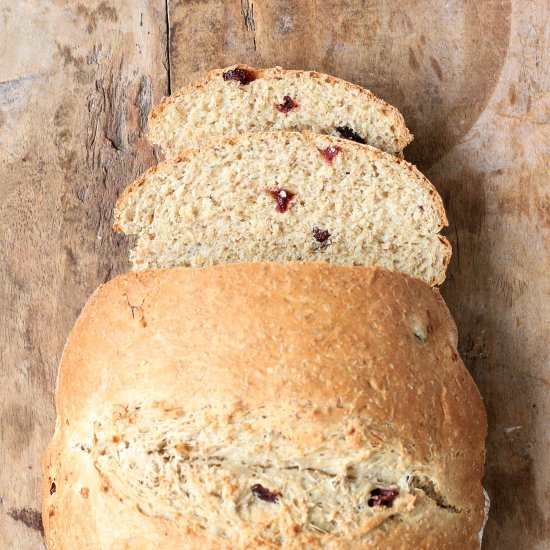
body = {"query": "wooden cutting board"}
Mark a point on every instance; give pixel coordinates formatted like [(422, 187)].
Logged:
[(473, 82)]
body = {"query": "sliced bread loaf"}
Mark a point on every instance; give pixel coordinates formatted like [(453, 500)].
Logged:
[(241, 99), (282, 196)]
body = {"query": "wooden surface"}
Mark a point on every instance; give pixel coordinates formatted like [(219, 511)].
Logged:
[(473, 81), (76, 82)]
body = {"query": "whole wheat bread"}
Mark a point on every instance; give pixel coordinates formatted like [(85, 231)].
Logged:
[(241, 99), (296, 406), (282, 196)]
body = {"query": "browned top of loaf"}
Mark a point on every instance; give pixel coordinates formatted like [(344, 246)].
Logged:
[(402, 134), (345, 338)]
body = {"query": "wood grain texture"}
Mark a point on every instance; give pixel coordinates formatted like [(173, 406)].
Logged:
[(437, 61), (473, 82), (76, 84)]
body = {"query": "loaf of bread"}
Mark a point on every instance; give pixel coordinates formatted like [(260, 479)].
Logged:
[(286, 196), (294, 406), (240, 99)]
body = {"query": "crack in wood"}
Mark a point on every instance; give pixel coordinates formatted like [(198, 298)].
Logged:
[(143, 101), (247, 11), (168, 46), (107, 107)]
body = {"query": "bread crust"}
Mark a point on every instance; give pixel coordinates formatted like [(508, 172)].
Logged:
[(340, 338), (402, 135)]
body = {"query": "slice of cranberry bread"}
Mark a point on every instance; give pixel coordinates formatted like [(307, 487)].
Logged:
[(283, 196), (241, 99)]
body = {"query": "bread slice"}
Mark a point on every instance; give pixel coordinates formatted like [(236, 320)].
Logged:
[(294, 406), (282, 196), (241, 99)]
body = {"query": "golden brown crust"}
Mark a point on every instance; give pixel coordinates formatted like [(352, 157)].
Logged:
[(402, 133), (371, 342)]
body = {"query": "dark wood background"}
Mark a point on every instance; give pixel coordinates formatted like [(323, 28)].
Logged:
[(473, 81)]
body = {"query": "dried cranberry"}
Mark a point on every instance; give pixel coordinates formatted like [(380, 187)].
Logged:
[(287, 105), (241, 75), (322, 236), (330, 153), (53, 488), (382, 497), (347, 133), (282, 198), (264, 494)]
